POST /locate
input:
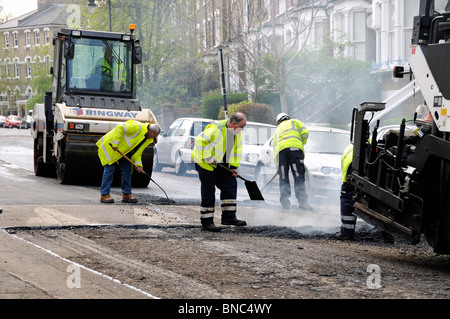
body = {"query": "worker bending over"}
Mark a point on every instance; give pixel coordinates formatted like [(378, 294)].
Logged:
[(219, 144), (131, 139)]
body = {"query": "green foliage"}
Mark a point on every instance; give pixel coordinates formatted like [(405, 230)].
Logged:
[(255, 112), (270, 98), (213, 101), (42, 82)]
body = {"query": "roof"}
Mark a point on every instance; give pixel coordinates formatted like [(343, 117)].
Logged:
[(55, 15), (14, 23)]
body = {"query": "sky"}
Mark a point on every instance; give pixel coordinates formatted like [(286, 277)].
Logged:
[(18, 7)]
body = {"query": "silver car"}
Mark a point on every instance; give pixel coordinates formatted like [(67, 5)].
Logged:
[(323, 153), (254, 136), (175, 145)]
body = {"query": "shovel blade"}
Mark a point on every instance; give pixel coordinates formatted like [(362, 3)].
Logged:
[(253, 190)]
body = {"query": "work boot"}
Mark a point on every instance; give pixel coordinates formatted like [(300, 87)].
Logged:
[(387, 238), (304, 206), (128, 198), (211, 228), (285, 203), (341, 236), (233, 221), (106, 199), (208, 224)]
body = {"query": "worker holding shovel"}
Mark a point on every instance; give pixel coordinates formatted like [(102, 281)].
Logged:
[(217, 150), (130, 138)]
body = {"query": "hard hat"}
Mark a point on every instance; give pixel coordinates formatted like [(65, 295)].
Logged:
[(282, 117)]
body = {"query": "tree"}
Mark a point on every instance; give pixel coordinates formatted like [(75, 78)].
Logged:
[(3, 15), (254, 42)]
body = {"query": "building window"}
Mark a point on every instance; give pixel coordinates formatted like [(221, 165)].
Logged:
[(27, 39), (28, 64), (6, 34), (15, 39), (29, 92), (47, 62), (7, 68), (46, 36), (391, 31), (359, 35), (318, 34), (16, 68), (36, 37)]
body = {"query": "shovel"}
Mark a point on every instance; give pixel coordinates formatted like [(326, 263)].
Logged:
[(271, 179), (142, 172), (252, 187)]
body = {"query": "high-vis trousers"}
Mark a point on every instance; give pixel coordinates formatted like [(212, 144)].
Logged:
[(227, 184), (291, 159), (348, 219)]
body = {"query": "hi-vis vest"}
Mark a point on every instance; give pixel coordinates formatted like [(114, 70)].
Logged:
[(346, 161), (211, 144), (125, 137), (289, 133), (111, 72)]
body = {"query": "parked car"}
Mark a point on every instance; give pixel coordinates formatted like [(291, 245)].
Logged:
[(381, 131), (254, 136), (175, 145), (2, 120), (26, 122), (12, 121), (323, 153)]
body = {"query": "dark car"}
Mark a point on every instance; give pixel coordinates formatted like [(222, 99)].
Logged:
[(13, 121)]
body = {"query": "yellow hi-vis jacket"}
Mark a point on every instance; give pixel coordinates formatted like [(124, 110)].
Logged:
[(289, 134), (346, 161), (211, 145), (125, 137)]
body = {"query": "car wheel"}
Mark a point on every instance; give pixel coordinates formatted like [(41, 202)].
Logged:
[(180, 167), (157, 166), (261, 177)]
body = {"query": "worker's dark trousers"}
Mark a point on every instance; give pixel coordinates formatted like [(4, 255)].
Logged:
[(227, 185), (291, 159), (348, 220)]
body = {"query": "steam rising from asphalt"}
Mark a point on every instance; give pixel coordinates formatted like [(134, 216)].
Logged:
[(324, 219)]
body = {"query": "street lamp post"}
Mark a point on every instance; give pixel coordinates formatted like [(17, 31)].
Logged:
[(92, 6)]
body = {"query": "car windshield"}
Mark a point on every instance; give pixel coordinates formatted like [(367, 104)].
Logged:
[(256, 134), (327, 142), (103, 65)]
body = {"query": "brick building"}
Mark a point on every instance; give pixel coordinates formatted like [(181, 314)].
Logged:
[(26, 50)]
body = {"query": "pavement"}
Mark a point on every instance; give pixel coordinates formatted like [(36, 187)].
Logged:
[(29, 271)]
